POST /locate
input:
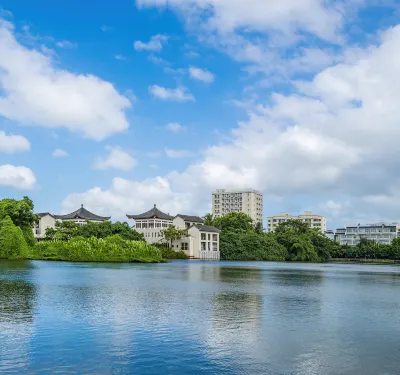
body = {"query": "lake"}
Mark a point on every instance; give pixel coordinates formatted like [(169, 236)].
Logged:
[(199, 318)]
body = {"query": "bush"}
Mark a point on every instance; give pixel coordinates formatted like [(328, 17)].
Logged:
[(110, 249), (168, 253), (12, 241)]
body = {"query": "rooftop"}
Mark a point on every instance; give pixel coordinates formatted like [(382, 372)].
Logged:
[(194, 219), (84, 214), (207, 228), (154, 213), (43, 214)]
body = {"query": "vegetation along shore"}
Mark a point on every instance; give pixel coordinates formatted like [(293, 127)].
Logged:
[(240, 239)]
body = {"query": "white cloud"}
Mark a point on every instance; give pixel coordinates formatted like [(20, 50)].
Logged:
[(66, 44), (333, 140), (120, 57), (12, 144), (106, 28), (201, 74), (176, 154), (155, 44), (35, 91), (180, 94), (129, 197), (58, 153), (17, 177), (312, 16), (175, 127), (153, 166), (117, 159)]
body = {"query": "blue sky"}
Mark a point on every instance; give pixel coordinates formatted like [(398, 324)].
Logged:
[(119, 107)]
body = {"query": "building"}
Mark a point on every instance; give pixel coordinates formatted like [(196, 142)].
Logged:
[(381, 233), (313, 220), (330, 234), (46, 220), (202, 241), (248, 201), (82, 216)]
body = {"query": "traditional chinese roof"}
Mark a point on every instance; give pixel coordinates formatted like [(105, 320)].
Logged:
[(154, 213), (83, 214), (43, 214), (193, 219), (207, 228)]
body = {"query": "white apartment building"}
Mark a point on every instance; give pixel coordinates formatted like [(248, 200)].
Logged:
[(248, 201), (202, 241), (381, 233), (313, 220)]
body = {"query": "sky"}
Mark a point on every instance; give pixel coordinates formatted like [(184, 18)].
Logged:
[(121, 106)]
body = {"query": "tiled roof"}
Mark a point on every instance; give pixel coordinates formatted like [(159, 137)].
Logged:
[(193, 219), (43, 214), (84, 214), (207, 228), (153, 213)]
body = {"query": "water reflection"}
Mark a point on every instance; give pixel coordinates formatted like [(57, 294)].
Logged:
[(198, 318)]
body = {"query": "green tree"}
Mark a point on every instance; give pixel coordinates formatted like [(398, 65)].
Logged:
[(172, 234), (235, 221), (20, 212), (259, 228), (12, 241), (209, 219)]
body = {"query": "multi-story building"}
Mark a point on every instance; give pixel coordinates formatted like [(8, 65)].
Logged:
[(313, 220), (46, 220), (381, 233), (202, 241), (248, 201)]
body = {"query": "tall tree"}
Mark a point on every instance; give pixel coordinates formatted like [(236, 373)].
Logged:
[(209, 219), (19, 211)]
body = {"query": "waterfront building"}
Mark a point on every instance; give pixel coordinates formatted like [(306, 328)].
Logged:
[(313, 220), (46, 220), (82, 216), (202, 241), (381, 233), (330, 234), (248, 201)]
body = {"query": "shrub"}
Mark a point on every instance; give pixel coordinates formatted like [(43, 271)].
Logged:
[(12, 241), (168, 253)]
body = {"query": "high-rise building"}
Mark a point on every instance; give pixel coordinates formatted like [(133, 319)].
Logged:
[(248, 201), (313, 220)]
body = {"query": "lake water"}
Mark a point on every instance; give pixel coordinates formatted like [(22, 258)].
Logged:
[(199, 318)]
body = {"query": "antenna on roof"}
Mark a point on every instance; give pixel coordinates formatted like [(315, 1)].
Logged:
[(155, 206), (82, 205)]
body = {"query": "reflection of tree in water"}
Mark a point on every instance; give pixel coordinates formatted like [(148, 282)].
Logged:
[(17, 299), (295, 293), (17, 296), (239, 275)]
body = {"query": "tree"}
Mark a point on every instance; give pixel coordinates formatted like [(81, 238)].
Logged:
[(209, 219), (19, 211), (235, 221), (172, 234), (12, 241), (259, 229)]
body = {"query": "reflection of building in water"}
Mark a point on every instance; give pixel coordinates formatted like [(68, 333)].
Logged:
[(236, 309)]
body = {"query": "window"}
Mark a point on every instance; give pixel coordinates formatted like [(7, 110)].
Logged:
[(215, 246), (209, 246), (215, 237), (209, 236), (203, 236), (144, 225), (138, 225), (184, 246), (203, 246)]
